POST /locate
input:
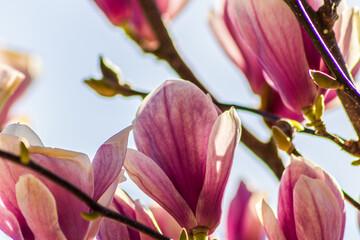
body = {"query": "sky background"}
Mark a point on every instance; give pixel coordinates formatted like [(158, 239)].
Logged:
[(68, 37)]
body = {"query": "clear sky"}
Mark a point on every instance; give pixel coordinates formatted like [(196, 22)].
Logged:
[(68, 37)]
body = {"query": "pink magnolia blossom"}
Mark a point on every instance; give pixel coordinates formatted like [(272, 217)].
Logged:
[(185, 152), (128, 14), (265, 40), (23, 63), (33, 207), (242, 221), (124, 205), (311, 205)]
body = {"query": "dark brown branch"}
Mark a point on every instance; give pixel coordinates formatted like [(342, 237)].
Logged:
[(351, 200), (103, 211)]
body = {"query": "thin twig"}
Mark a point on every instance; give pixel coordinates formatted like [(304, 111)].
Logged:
[(351, 200), (103, 211)]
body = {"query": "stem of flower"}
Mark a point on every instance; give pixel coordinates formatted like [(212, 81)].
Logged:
[(103, 211)]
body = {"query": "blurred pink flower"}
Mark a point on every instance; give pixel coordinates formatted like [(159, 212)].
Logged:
[(264, 39), (311, 205), (185, 153), (128, 15), (33, 207), (124, 205), (242, 222), (23, 63)]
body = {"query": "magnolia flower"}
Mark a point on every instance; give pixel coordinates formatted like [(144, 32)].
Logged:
[(32, 207), (242, 221), (267, 43), (124, 205), (128, 15), (311, 205), (13, 83), (185, 153)]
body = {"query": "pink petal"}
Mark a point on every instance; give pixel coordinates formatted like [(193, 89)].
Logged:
[(271, 225), (38, 207), (77, 169), (236, 48), (316, 210), (117, 11), (242, 221), (9, 224), (7, 186), (279, 51), (111, 229), (172, 127), (150, 178), (224, 137), (145, 217), (168, 225), (108, 162)]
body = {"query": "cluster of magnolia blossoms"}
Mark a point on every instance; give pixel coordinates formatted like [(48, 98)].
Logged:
[(185, 152), (265, 40)]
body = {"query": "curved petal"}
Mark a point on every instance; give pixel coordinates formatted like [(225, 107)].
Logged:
[(9, 224), (108, 162), (7, 183), (38, 206), (168, 225), (280, 51), (224, 138), (23, 131), (145, 216), (111, 229), (172, 127), (117, 11), (155, 183), (77, 169), (242, 221), (316, 210), (236, 48), (271, 225)]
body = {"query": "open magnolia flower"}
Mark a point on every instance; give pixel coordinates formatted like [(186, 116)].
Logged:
[(185, 153), (265, 40), (128, 15), (33, 207), (17, 71), (311, 205)]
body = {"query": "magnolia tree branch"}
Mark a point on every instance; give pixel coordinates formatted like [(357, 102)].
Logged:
[(318, 26), (96, 207), (166, 51)]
